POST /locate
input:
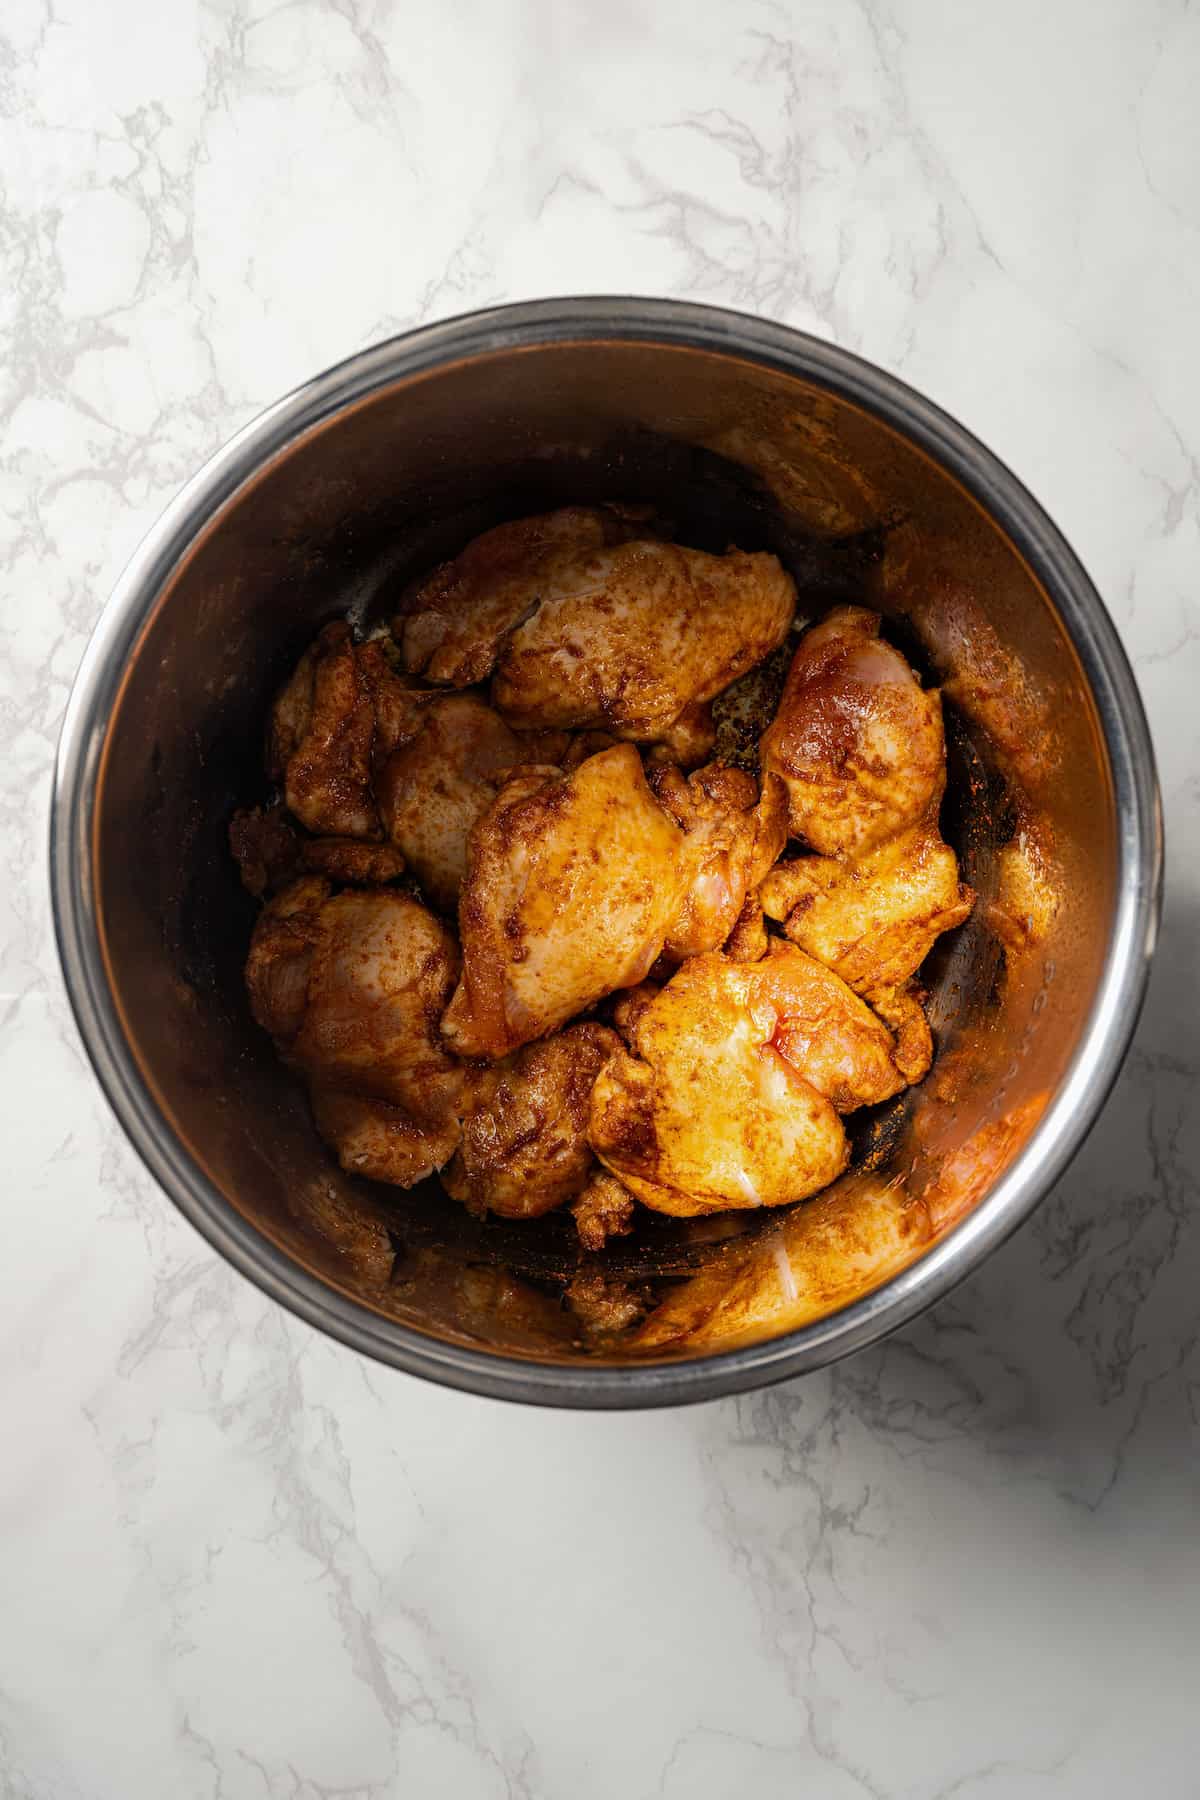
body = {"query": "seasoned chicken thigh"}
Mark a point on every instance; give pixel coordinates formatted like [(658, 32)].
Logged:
[(270, 853), (824, 1030), (857, 741), (729, 1096), (704, 1114), (873, 921), (433, 789), (862, 749), (733, 834), (642, 639), (524, 1144), (380, 1141), (351, 987), (572, 882), (280, 961), (587, 624), (453, 624), (380, 977), (342, 711)]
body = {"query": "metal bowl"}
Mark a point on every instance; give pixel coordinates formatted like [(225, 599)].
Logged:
[(742, 432)]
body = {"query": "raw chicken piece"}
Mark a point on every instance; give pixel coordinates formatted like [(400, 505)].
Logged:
[(572, 882), (433, 789), (351, 987), (524, 1146), (1027, 899), (454, 622), (734, 833), (824, 1030), (705, 1113), (731, 1093), (270, 853), (351, 861), (857, 741), (641, 639), (862, 749), (380, 977), (873, 921), (282, 948), (585, 627), (343, 710), (380, 1141), (604, 1209)]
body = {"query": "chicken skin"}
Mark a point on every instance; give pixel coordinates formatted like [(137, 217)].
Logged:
[(380, 1141), (730, 1093), (454, 623), (873, 921), (857, 741), (642, 639), (341, 712), (524, 1146), (572, 882), (861, 747), (825, 1031), (433, 789), (734, 832), (351, 987), (270, 854), (586, 624)]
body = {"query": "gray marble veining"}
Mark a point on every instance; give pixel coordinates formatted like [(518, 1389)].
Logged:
[(235, 1561)]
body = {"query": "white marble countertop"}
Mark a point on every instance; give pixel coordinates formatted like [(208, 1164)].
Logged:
[(235, 1560)]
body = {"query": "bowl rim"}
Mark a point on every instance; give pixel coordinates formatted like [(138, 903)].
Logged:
[(1106, 1033)]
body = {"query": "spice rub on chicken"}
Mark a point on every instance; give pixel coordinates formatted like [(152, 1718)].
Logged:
[(519, 928)]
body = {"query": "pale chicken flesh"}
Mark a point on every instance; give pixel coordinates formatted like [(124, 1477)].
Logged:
[(572, 883), (857, 741), (433, 789), (351, 986), (730, 1092), (734, 830), (875, 920)]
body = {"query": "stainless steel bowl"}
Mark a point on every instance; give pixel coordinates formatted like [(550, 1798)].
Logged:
[(742, 431)]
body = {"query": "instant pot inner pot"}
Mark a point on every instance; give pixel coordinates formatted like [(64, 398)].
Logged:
[(728, 452)]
